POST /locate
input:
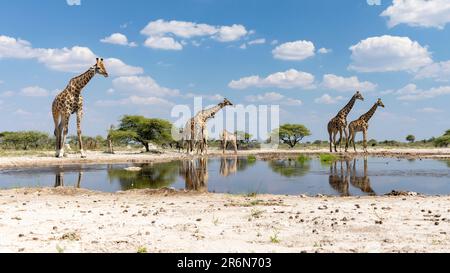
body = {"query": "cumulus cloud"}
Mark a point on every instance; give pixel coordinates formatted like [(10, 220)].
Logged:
[(388, 53), (118, 39), (324, 50), (438, 71), (34, 91), (418, 13), (76, 59), (412, 93), (73, 2), (135, 100), (285, 80), (294, 51), (273, 97), (144, 85), (163, 43), (257, 42), (327, 99), (161, 34), (338, 83)]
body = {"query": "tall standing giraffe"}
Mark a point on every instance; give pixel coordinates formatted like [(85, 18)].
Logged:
[(69, 102), (195, 133), (339, 123), (362, 125)]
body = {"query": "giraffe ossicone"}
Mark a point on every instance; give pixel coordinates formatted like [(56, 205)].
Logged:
[(69, 102)]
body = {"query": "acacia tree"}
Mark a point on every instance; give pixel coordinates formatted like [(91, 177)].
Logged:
[(411, 138), (143, 130), (292, 134)]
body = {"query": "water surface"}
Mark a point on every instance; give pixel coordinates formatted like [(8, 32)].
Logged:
[(370, 176)]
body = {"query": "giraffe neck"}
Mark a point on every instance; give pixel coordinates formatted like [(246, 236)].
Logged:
[(81, 81), (367, 116), (207, 114), (346, 110)]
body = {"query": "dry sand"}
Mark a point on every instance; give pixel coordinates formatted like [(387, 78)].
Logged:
[(69, 220)]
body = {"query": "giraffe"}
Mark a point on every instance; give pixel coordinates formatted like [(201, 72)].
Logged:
[(228, 137), (195, 133), (339, 180), (69, 102), (228, 166), (339, 123), (362, 125), (195, 174), (362, 182)]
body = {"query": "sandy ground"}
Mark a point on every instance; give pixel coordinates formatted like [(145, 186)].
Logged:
[(69, 220), (135, 157)]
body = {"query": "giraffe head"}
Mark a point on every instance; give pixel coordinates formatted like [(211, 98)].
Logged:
[(380, 103), (358, 96), (100, 68), (226, 102)]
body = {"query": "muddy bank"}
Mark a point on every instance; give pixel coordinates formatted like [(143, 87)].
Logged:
[(69, 220), (46, 159)]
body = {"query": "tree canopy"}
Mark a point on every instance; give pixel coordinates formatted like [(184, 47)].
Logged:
[(411, 138), (292, 134), (142, 130)]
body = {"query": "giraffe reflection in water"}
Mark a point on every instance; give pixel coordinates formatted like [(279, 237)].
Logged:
[(228, 166), (59, 179), (195, 174), (341, 178)]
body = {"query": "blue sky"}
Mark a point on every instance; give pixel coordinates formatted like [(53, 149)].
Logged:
[(308, 56)]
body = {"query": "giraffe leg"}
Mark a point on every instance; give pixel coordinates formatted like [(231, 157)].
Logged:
[(64, 129), (331, 141), (57, 132), (224, 146), (346, 139), (365, 140), (235, 147), (353, 139), (334, 141), (80, 177), (340, 139), (79, 133)]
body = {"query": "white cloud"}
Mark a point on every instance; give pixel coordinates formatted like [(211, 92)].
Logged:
[(257, 41), (73, 2), (411, 93), (327, 99), (285, 80), (214, 97), (135, 100), (274, 42), (118, 68), (429, 110), (164, 43), (273, 97), (294, 51), (338, 83), (388, 53), (418, 13), (161, 33), (144, 85), (178, 28), (76, 59), (230, 34), (34, 91), (437, 71), (118, 39), (324, 50)]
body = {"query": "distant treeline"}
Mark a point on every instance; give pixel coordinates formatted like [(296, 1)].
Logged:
[(138, 131)]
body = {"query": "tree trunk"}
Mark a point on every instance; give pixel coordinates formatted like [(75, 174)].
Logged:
[(147, 148)]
